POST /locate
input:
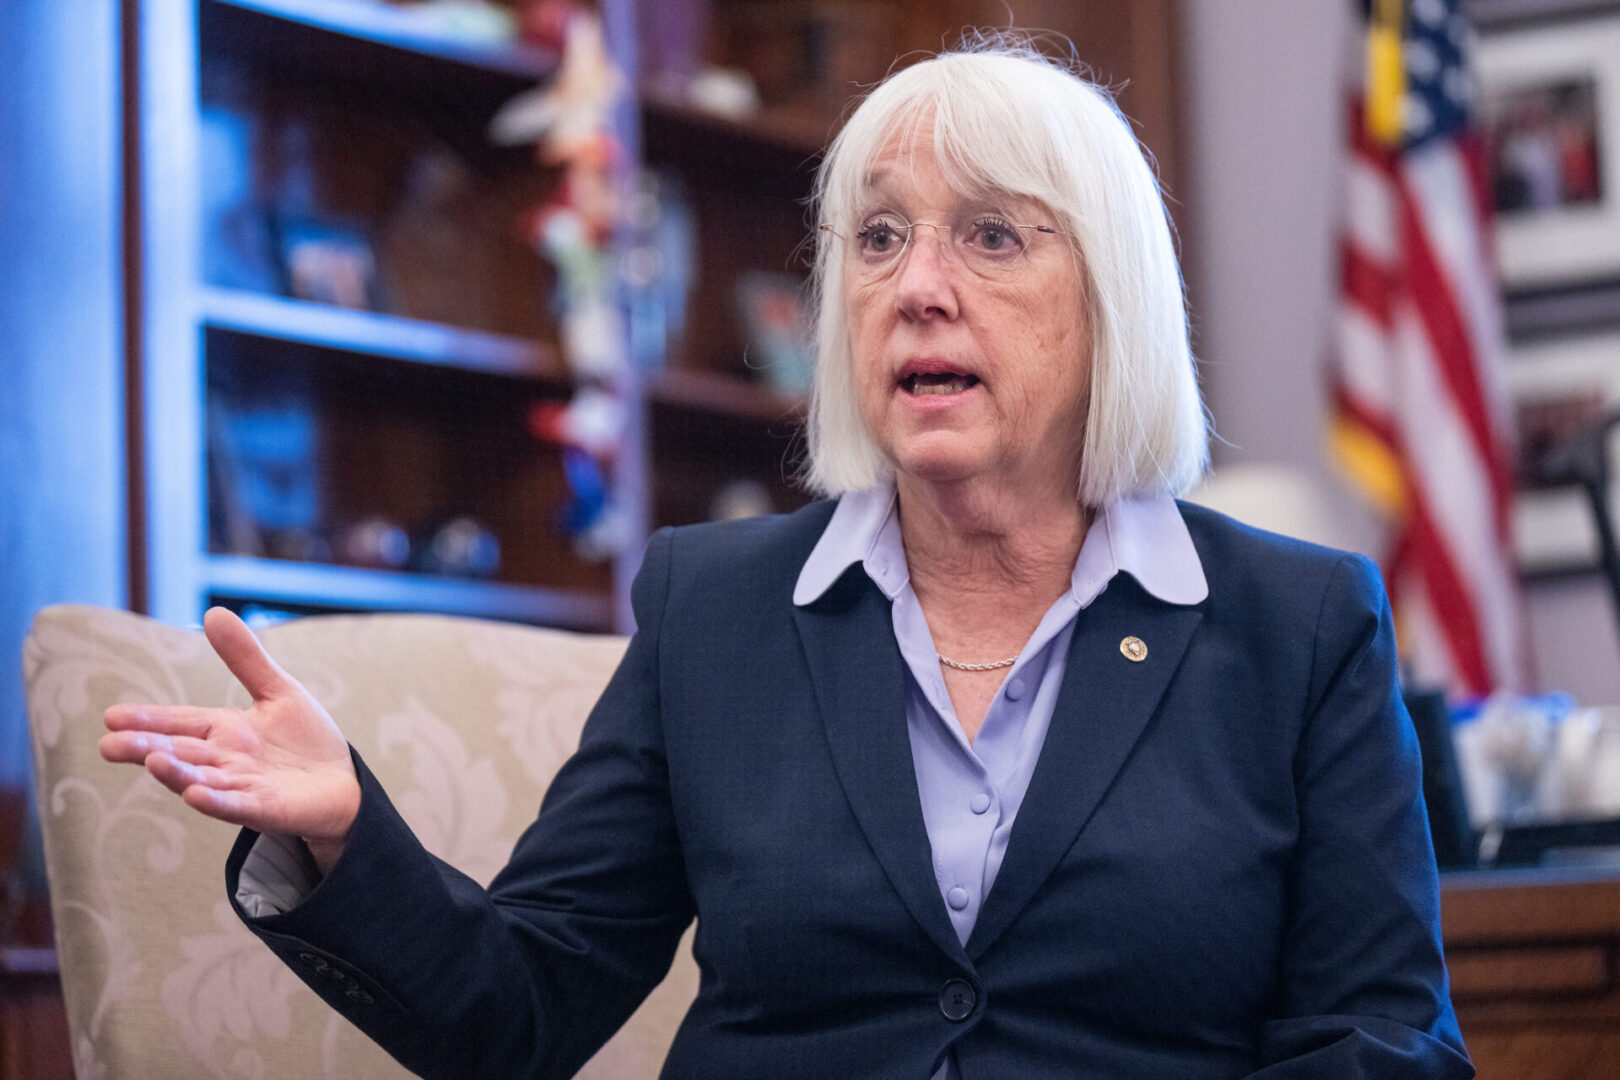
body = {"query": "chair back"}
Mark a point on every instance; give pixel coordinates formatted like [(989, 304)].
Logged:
[(464, 722)]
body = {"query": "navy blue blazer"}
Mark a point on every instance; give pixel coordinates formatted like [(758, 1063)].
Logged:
[(1221, 869)]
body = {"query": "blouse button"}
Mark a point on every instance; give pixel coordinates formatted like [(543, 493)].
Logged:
[(957, 898), (1015, 689), (979, 803)]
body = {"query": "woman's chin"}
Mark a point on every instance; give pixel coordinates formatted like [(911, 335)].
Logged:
[(943, 468)]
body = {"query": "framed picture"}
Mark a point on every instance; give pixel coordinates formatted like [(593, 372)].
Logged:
[(1550, 111), (1560, 387), (776, 323), (326, 262)]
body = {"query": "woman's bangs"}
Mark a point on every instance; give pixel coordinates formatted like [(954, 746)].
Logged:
[(985, 147)]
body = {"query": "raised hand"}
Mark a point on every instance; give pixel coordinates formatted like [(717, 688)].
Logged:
[(280, 765)]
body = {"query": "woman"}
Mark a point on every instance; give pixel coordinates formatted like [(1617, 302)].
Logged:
[(1004, 764)]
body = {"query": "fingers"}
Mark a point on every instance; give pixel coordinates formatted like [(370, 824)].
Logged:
[(231, 807), (178, 775), (165, 719), (205, 789), (133, 747), (188, 767), (242, 653)]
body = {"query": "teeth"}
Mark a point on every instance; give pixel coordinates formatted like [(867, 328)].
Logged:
[(942, 382)]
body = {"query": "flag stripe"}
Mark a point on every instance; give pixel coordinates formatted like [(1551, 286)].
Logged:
[(1453, 351), (1445, 183), (1423, 543), (1367, 285)]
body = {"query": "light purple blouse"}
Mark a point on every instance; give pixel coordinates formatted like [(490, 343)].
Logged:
[(971, 792)]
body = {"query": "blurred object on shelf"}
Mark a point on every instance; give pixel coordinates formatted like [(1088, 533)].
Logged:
[(259, 616), (740, 499), (591, 518), (544, 23), (1583, 458), (374, 542), (658, 270), (589, 430), (1545, 421), (776, 320), (672, 40), (799, 52), (1586, 766), (296, 545), (572, 108), (473, 21), (238, 250), (458, 545), (570, 122), (726, 92), (568, 236), (326, 262), (593, 421), (1505, 744), (437, 244), (1538, 760), (263, 475)]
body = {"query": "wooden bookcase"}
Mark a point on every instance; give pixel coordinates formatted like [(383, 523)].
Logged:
[(254, 123)]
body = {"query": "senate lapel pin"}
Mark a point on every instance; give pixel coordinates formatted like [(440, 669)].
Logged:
[(1134, 649)]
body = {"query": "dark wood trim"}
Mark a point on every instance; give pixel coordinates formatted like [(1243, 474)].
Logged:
[(134, 303)]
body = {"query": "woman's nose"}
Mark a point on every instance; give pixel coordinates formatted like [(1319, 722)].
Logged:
[(926, 278)]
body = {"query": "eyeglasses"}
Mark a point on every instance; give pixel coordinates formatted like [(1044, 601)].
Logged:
[(984, 242)]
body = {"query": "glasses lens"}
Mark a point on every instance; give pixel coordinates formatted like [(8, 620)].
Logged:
[(880, 240), (987, 243), (991, 245)]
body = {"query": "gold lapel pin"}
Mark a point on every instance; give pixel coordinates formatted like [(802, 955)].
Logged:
[(1134, 648)]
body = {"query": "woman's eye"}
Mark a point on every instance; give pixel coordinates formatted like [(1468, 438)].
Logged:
[(997, 236), (879, 238)]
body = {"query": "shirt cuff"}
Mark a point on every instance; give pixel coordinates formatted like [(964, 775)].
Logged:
[(278, 874)]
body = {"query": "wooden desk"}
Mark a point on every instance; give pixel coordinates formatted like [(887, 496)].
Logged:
[(33, 1022), (1535, 971)]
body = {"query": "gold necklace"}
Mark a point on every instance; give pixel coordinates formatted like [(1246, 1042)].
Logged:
[(959, 666)]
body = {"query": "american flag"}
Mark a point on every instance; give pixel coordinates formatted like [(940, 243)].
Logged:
[(1420, 419)]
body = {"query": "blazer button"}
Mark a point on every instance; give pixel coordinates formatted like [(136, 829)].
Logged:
[(957, 999)]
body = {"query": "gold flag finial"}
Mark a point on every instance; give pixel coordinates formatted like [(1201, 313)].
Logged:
[(1386, 74)]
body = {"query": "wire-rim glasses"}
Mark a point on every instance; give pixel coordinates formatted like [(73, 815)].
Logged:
[(986, 243)]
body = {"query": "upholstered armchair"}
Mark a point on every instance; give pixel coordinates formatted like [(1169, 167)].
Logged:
[(465, 722)]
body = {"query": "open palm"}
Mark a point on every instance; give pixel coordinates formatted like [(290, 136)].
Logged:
[(280, 765)]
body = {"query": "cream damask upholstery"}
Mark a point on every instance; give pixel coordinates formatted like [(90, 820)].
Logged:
[(465, 723)]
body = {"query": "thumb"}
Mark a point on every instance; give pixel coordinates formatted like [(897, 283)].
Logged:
[(243, 655)]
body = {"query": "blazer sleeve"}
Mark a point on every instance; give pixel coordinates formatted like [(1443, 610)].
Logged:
[(530, 977), (1363, 989)]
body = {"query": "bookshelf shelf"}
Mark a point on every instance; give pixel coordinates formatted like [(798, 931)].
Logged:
[(321, 585), (375, 334), (274, 25), (723, 395)]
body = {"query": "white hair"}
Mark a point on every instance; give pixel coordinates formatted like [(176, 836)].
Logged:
[(1005, 118)]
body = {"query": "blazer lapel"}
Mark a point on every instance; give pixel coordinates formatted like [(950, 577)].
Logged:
[(1103, 707), (859, 680)]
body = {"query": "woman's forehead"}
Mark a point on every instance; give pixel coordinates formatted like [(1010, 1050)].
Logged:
[(904, 186), (908, 164)]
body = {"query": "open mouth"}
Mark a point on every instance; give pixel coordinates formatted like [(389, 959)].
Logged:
[(938, 382)]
